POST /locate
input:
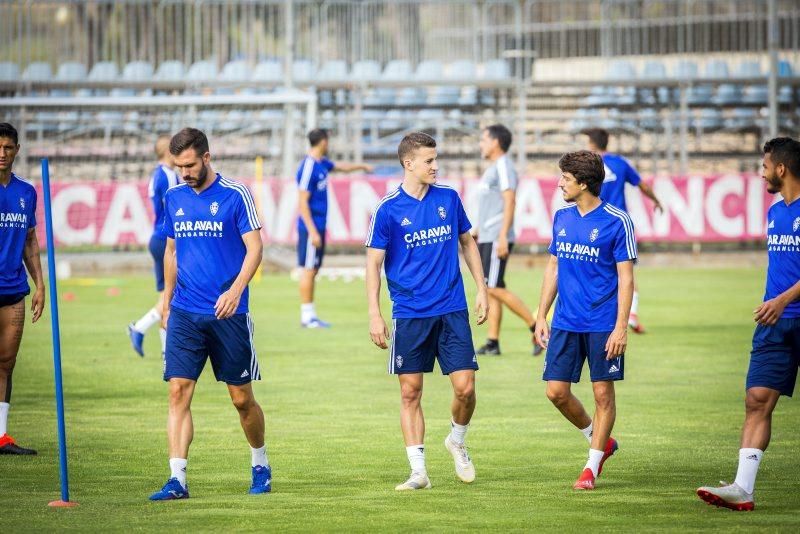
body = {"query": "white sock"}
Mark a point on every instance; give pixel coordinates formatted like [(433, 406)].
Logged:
[(307, 312), (635, 303), (416, 458), (259, 456), (4, 406), (749, 460), (148, 319), (593, 462), (458, 433), (163, 333), (587, 432), (177, 466)]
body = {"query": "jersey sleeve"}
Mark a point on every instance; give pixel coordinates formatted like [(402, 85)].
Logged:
[(631, 176), (245, 213), (169, 228), (306, 178), (378, 232), (625, 240), (157, 190), (506, 175), (328, 164), (463, 221)]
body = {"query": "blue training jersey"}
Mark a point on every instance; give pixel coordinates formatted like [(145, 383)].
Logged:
[(588, 249), (163, 178), (312, 176), (783, 251), (618, 173), (207, 229), (420, 238), (17, 216)]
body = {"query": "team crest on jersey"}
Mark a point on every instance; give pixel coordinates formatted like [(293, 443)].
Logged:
[(214, 208), (593, 235), (22, 203), (398, 360), (796, 224), (442, 213)]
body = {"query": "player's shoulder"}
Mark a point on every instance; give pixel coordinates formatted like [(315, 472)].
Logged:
[(445, 190), (616, 159), (177, 189), (617, 216), (236, 188), (567, 209), (387, 201)]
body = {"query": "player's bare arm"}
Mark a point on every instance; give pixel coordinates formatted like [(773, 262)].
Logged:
[(770, 311), (34, 266), (546, 299), (305, 213), (509, 206), (352, 167), (473, 260), (378, 331), (649, 193), (228, 302), (618, 340), (170, 279)]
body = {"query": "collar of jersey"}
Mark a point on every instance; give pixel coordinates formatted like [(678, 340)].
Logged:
[(598, 209), (212, 186), (415, 199)]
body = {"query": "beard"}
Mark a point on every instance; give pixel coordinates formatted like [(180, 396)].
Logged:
[(201, 178), (773, 184)]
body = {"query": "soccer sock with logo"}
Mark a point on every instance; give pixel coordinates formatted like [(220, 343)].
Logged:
[(177, 467), (749, 460), (593, 462), (259, 456), (307, 312), (416, 458), (587, 432), (4, 406), (458, 433), (162, 332), (635, 303), (148, 319)]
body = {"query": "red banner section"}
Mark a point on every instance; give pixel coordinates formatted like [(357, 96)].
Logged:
[(696, 208)]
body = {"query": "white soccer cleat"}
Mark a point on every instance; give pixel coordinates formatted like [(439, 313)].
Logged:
[(727, 496), (416, 481), (464, 468)]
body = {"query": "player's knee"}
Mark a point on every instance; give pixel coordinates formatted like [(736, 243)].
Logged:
[(558, 396), (605, 402), (179, 394), (7, 362), (243, 402), (410, 395), (755, 403), (465, 394)]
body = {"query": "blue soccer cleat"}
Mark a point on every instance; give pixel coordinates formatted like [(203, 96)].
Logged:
[(262, 480), (316, 322), (137, 338), (171, 491)]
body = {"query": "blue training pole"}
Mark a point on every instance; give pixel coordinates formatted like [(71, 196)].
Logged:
[(51, 271)]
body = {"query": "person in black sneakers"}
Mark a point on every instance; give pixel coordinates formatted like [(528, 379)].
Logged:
[(19, 248)]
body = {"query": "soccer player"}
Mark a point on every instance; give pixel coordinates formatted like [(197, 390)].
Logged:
[(591, 269), (495, 233), (775, 355), (163, 178), (312, 206), (619, 172), (19, 248), (416, 230), (213, 250)]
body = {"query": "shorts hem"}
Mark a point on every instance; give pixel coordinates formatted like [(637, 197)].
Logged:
[(167, 378), (560, 379), (465, 368), (607, 379), (236, 383), (782, 392)]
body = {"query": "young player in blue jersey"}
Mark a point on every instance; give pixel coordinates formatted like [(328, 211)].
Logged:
[(213, 250), (618, 173), (775, 354), (591, 269), (19, 248), (414, 234), (162, 179), (312, 206)]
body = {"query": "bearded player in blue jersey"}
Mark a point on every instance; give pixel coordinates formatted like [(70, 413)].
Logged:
[(162, 179), (591, 269), (213, 250), (19, 248), (618, 173), (775, 354), (312, 207), (414, 234)]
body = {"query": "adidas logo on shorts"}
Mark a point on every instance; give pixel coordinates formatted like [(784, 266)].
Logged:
[(244, 374), (614, 369)]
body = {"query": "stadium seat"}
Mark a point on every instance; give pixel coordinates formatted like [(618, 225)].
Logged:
[(103, 71), (411, 96), (654, 70), (649, 119), (303, 70), (366, 70), (785, 92), (496, 69), (397, 70), (333, 70), (170, 71), (71, 71), (233, 71), (726, 94), (269, 71), (9, 72), (752, 94), (137, 71), (394, 119), (202, 71), (742, 119), (38, 71), (709, 119), (429, 71)]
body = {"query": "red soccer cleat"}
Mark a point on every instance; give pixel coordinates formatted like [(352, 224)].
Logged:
[(8, 446), (611, 448), (634, 324), (585, 481)]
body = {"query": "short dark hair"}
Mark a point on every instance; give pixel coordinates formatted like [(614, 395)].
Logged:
[(316, 136), (413, 141), (587, 168), (598, 136), (785, 150), (6, 130), (186, 139), (502, 134)]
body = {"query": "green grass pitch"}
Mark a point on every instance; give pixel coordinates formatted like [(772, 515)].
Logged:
[(333, 432)]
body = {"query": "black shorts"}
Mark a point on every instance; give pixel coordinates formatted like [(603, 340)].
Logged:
[(12, 298), (494, 269)]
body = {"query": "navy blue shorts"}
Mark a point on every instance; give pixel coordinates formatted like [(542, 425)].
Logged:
[(775, 356), (309, 256), (566, 352), (157, 247), (416, 343), (12, 298), (192, 338)]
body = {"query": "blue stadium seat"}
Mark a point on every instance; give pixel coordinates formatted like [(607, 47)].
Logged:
[(394, 119), (234, 71), (785, 92), (137, 71), (333, 70), (9, 72), (397, 70), (709, 119), (269, 71), (103, 71), (429, 70), (654, 70), (649, 119), (366, 70), (496, 69), (584, 118), (38, 71), (71, 71), (742, 119), (202, 71), (170, 71), (752, 94), (303, 71), (411, 96)]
